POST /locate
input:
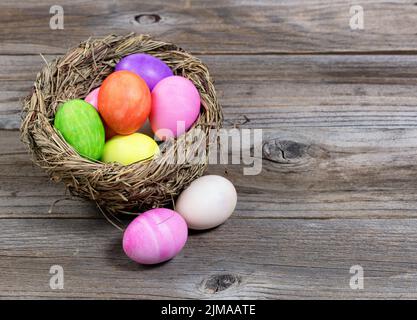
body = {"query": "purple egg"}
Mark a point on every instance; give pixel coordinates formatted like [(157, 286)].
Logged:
[(149, 68)]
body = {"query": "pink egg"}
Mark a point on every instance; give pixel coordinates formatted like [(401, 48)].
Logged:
[(175, 107), (155, 236), (91, 98)]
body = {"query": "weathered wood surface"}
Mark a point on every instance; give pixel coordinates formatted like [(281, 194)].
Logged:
[(338, 185), (321, 176), (218, 26), (267, 258), (276, 91)]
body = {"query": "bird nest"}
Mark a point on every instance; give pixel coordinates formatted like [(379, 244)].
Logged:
[(114, 187)]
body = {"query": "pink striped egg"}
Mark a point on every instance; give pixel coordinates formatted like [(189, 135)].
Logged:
[(155, 236)]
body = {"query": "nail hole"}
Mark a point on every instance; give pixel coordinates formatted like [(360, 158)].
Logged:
[(147, 18)]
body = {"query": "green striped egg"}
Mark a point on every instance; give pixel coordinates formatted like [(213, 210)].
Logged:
[(82, 128)]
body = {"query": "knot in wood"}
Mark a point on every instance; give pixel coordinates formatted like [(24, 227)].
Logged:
[(284, 151), (221, 282), (147, 18)]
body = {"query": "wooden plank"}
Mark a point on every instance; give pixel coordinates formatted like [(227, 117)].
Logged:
[(315, 173), (261, 258), (233, 26), (277, 91), (317, 91), (331, 173)]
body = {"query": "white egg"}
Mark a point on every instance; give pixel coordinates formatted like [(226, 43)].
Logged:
[(207, 202)]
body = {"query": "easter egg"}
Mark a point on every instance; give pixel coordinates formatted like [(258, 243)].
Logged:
[(150, 68), (207, 202), (92, 97), (155, 236), (129, 149), (175, 107), (80, 125), (124, 101)]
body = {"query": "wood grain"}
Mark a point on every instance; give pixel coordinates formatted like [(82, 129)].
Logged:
[(265, 259), (332, 91), (314, 173), (233, 26)]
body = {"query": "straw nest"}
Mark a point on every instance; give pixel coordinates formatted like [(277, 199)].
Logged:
[(116, 188)]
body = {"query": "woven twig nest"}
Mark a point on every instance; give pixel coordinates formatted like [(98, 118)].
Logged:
[(115, 188)]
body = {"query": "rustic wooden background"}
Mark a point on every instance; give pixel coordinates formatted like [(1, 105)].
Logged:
[(339, 180)]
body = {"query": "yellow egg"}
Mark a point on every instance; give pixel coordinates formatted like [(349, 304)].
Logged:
[(129, 149)]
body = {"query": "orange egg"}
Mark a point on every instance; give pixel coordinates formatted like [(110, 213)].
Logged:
[(124, 101)]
